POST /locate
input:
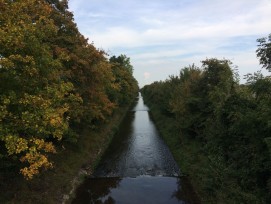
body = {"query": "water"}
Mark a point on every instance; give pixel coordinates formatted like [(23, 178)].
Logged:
[(137, 167)]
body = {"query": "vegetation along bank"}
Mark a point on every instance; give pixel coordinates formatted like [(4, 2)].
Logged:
[(218, 129)]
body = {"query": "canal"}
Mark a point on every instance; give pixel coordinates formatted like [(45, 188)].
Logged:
[(136, 168)]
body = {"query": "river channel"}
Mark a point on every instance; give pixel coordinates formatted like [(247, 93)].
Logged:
[(136, 168)]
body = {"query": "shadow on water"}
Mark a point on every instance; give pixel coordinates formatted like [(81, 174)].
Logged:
[(111, 162), (136, 168), (137, 149), (143, 189)]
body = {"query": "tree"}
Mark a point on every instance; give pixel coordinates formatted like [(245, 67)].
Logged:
[(264, 52), (34, 99), (230, 122), (185, 101), (124, 85), (51, 81), (123, 61)]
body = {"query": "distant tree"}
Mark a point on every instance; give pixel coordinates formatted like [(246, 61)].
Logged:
[(124, 86), (218, 81), (124, 61), (186, 101), (264, 52)]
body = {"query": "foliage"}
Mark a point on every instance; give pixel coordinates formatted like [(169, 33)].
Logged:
[(123, 61), (264, 52), (124, 86), (230, 122), (51, 82)]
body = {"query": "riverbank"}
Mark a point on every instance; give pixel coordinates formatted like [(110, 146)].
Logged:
[(188, 155), (72, 163), (211, 179)]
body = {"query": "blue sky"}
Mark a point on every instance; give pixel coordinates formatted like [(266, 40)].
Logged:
[(161, 37)]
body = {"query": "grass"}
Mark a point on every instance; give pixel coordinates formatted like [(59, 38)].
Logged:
[(72, 163)]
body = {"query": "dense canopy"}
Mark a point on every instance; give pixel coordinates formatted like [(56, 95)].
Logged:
[(51, 81), (229, 121)]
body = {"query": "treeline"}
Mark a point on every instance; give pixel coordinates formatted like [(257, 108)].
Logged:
[(230, 122), (52, 83)]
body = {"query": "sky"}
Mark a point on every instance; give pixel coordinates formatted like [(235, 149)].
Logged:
[(163, 36)]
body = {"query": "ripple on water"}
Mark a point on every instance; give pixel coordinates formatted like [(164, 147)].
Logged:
[(136, 151)]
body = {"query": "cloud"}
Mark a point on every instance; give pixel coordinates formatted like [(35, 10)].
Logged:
[(146, 75), (153, 23), (162, 36)]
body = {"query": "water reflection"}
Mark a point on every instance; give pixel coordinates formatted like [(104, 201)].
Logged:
[(137, 149), (113, 160), (136, 168), (143, 189)]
